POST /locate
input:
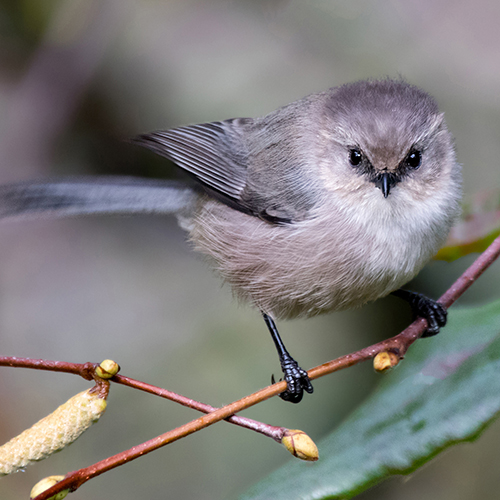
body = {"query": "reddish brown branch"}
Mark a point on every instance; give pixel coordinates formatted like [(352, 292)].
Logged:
[(75, 479), (87, 371), (398, 344), (268, 430)]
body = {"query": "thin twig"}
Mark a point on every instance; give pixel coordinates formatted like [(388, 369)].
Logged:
[(272, 431), (399, 344), (87, 371)]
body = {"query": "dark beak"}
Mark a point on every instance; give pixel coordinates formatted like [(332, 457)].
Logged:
[(385, 181), (385, 185)]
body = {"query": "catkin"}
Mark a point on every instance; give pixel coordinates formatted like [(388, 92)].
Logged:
[(52, 433)]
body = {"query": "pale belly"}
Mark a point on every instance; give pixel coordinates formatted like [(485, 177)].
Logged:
[(312, 267)]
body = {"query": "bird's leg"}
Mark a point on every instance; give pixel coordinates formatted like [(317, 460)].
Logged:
[(423, 307), (296, 378)]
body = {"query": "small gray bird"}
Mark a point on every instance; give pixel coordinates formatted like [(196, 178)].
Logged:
[(324, 204)]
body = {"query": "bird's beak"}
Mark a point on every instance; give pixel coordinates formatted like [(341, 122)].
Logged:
[(385, 181), (385, 184)]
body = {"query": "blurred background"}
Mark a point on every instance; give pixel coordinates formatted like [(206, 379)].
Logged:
[(77, 79)]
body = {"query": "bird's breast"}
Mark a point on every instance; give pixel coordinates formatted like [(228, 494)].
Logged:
[(333, 261)]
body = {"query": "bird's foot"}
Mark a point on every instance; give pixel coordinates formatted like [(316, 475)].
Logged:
[(424, 307), (297, 380)]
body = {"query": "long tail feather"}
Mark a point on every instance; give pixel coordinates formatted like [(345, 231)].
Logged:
[(93, 195)]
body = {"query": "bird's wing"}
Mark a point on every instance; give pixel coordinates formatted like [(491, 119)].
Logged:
[(215, 154)]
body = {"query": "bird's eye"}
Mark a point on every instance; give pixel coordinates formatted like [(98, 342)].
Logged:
[(355, 157), (413, 159)]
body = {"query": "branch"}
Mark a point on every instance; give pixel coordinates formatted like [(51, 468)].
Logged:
[(87, 371), (272, 431)]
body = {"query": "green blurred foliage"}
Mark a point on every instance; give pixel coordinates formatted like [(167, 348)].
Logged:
[(478, 226)]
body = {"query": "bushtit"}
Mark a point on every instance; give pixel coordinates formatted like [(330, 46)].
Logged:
[(324, 204)]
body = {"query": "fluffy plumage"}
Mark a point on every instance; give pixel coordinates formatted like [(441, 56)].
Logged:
[(343, 243)]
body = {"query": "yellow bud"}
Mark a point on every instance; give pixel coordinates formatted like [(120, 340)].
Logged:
[(47, 483), (385, 360), (52, 433), (107, 369), (300, 445)]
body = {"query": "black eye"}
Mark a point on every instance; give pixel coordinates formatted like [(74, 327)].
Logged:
[(413, 159), (355, 157)]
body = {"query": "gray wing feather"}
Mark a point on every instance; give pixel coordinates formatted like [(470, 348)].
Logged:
[(214, 153), (93, 195)]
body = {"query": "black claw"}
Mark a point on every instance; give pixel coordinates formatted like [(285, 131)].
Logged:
[(290, 397), (424, 307), (297, 381)]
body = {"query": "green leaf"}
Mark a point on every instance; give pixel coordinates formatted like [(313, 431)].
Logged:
[(478, 226), (446, 391), (456, 248)]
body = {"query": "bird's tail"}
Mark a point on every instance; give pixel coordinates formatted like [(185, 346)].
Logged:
[(93, 195)]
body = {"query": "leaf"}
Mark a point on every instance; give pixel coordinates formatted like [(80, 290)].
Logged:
[(478, 227), (446, 391), (475, 241)]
